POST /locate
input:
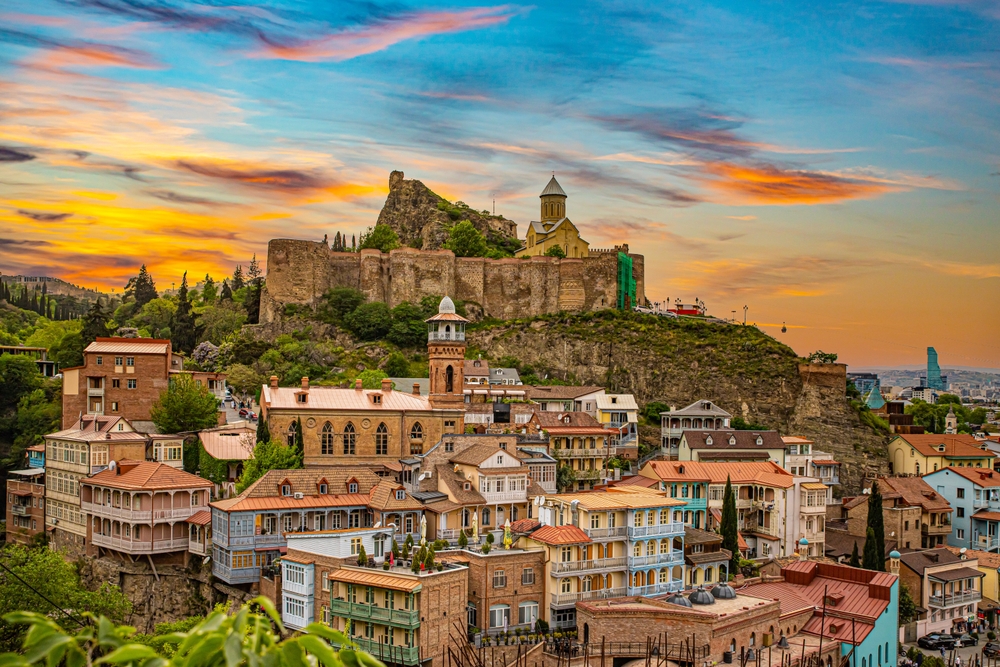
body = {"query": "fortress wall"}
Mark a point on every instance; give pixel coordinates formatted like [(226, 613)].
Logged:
[(299, 272), (470, 279), (413, 274), (639, 273)]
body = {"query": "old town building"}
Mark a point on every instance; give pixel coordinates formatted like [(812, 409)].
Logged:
[(554, 230), (945, 587), (700, 415), (918, 454), (708, 445), (141, 509), (914, 513), (578, 441), (25, 504), (71, 455)]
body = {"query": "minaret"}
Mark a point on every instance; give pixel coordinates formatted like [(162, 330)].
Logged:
[(894, 562), (446, 356), (553, 201), (951, 421)]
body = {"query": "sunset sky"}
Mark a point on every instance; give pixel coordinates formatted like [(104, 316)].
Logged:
[(832, 165)]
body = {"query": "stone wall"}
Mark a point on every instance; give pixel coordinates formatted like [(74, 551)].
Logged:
[(299, 272)]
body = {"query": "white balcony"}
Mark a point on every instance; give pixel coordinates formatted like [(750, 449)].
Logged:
[(130, 546), (743, 503), (198, 548), (594, 453), (567, 599), (505, 497), (657, 589), (605, 533), (587, 565), (139, 516), (449, 335), (954, 599), (91, 391), (987, 542), (671, 558), (674, 528)]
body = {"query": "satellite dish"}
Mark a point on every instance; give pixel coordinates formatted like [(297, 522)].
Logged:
[(378, 524), (541, 500), (204, 561), (112, 465)]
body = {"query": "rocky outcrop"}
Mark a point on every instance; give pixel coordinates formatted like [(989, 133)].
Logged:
[(680, 361), (422, 218)]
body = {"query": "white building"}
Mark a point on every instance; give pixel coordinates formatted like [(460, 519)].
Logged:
[(699, 415)]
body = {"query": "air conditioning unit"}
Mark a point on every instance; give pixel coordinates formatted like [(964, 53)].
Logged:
[(298, 496)]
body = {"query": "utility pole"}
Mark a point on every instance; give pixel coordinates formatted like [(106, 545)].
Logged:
[(745, 315)]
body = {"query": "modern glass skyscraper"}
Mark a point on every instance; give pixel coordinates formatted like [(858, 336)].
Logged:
[(934, 379)]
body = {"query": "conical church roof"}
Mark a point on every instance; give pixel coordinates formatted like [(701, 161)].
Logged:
[(553, 188), (874, 400)]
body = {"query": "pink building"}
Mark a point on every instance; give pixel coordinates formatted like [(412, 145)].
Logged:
[(145, 508)]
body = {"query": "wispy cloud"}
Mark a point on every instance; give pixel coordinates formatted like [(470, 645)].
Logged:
[(772, 185), (40, 216), (382, 33), (61, 53), (8, 154)]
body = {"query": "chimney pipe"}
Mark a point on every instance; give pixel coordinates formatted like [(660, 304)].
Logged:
[(274, 381), (305, 383), (416, 388), (357, 384), (386, 385)]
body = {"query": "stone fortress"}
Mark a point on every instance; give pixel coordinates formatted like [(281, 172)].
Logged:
[(300, 272)]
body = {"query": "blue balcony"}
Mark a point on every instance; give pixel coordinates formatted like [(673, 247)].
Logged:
[(675, 557), (672, 529)]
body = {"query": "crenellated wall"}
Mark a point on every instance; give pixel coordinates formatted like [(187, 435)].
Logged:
[(299, 272)]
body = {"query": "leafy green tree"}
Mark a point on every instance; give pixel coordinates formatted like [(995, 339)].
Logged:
[(95, 323), (651, 411), (245, 381), (877, 523), (872, 559), (251, 636), (397, 366), (556, 251), (18, 376), (372, 378), (381, 237), (267, 455), (565, 478), (466, 241), (408, 328), (186, 405), (68, 352), (38, 413), (855, 559), (184, 334), (740, 424), (338, 303), (156, 317), (47, 572), (209, 292), (141, 288), (728, 527), (220, 321), (49, 333), (369, 321), (907, 606)]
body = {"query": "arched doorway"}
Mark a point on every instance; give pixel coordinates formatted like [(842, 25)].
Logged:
[(586, 633)]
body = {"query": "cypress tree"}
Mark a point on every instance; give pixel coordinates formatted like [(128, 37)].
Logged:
[(855, 559), (728, 527), (95, 323), (300, 444), (238, 282), (877, 524), (873, 559), (182, 329), (141, 288), (227, 292), (263, 432)]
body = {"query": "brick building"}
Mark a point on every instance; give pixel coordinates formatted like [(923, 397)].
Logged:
[(914, 513), (25, 504), (506, 587)]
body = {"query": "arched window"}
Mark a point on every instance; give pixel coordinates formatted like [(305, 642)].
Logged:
[(651, 547), (291, 434), (326, 439), (587, 584), (664, 576), (665, 546), (417, 439), (486, 516), (350, 439), (513, 513), (565, 586), (753, 639), (449, 379), (381, 440), (637, 549)]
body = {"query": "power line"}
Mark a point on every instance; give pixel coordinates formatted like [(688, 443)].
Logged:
[(43, 596)]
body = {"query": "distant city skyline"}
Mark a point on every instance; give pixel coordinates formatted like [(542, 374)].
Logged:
[(835, 166)]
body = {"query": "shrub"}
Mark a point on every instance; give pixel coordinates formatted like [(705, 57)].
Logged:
[(369, 321)]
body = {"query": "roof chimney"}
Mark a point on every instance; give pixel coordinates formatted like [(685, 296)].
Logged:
[(386, 385), (416, 388), (274, 381), (357, 384), (305, 383)]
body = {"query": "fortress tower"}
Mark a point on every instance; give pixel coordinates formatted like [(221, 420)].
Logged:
[(446, 354)]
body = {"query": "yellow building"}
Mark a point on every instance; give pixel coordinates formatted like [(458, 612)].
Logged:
[(927, 452), (988, 564), (602, 544), (554, 229)]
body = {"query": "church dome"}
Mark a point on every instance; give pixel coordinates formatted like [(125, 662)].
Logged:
[(446, 306), (701, 596), (553, 188)]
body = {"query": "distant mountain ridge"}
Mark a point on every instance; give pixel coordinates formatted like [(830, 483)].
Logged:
[(53, 286)]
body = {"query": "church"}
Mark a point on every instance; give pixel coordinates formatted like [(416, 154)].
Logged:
[(554, 229), (348, 426)]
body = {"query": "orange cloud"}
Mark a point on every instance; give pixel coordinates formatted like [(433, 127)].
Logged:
[(385, 33), (770, 185)]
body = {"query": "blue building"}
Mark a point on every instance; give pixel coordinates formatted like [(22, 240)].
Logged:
[(974, 495), (934, 379), (36, 456)]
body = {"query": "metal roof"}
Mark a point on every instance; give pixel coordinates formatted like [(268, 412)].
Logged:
[(405, 583), (336, 398), (129, 346), (553, 188)]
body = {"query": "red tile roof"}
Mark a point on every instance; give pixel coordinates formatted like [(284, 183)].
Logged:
[(743, 472), (960, 444), (840, 629), (146, 476), (560, 535), (524, 525), (202, 518), (982, 476)]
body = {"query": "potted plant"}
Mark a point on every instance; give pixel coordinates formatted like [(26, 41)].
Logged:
[(385, 565)]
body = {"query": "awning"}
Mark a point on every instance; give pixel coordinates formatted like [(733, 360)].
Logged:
[(407, 583), (21, 494), (814, 486), (480, 392), (280, 550), (28, 472)]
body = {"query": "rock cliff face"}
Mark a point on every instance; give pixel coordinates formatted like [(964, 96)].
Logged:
[(421, 218), (681, 361)]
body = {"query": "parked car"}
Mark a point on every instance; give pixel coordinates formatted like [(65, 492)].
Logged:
[(936, 640), (992, 650), (244, 412), (252, 416), (967, 640)]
